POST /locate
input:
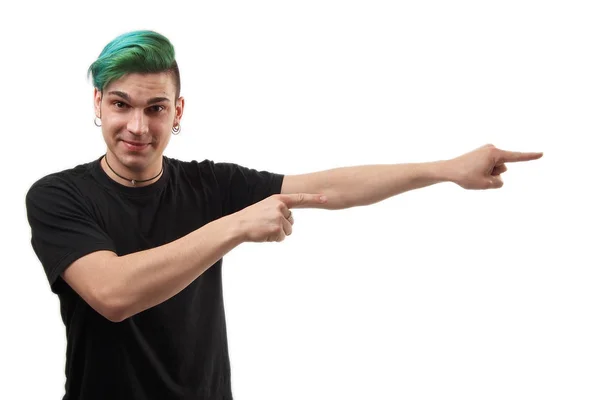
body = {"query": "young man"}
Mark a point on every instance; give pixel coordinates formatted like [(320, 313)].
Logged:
[(132, 243)]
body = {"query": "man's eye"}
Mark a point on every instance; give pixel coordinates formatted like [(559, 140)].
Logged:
[(120, 104), (157, 109)]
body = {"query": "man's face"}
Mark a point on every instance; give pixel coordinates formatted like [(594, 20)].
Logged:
[(137, 113)]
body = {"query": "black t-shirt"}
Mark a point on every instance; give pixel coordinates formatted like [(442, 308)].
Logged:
[(176, 349)]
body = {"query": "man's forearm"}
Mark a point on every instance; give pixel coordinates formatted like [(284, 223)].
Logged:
[(150, 277), (363, 185)]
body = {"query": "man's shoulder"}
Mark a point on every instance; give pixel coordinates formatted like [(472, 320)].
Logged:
[(210, 171), (68, 178), (221, 170), (186, 164), (194, 168), (202, 163)]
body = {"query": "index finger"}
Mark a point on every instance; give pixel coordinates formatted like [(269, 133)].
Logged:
[(515, 156), (302, 200)]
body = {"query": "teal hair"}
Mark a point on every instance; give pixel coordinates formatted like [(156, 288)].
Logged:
[(135, 52)]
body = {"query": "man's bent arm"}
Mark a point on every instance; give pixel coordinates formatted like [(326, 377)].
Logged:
[(120, 287)]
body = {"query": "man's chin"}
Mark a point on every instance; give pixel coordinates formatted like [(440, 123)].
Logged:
[(135, 161)]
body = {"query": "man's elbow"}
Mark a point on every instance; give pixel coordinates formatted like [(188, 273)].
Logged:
[(111, 308), (115, 315)]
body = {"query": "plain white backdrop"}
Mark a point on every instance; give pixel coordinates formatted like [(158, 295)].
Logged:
[(438, 293)]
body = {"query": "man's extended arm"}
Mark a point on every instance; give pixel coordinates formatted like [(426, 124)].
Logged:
[(367, 184)]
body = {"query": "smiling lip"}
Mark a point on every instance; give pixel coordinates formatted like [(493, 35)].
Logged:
[(135, 145)]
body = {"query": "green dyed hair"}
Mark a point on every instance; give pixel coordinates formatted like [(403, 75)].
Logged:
[(135, 52)]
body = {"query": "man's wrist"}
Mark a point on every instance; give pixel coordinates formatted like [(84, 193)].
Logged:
[(235, 232), (445, 171)]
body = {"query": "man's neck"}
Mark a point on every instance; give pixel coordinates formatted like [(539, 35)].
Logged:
[(129, 178)]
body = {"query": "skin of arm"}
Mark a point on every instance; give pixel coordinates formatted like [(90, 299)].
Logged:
[(368, 184), (364, 185)]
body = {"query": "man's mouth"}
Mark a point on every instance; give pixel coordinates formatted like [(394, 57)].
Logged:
[(135, 145)]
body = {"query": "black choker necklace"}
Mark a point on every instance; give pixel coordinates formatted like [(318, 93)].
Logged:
[(133, 181)]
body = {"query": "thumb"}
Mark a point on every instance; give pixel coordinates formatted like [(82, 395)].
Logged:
[(495, 182), (302, 200)]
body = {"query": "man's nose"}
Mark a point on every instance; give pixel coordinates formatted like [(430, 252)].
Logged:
[(138, 123)]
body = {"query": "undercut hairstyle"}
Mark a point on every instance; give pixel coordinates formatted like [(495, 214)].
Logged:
[(135, 52)]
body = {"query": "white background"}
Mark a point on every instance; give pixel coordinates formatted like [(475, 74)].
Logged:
[(438, 293)]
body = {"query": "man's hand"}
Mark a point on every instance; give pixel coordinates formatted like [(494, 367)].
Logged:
[(481, 168), (271, 220)]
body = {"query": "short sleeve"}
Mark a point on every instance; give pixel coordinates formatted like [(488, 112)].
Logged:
[(63, 228), (241, 187)]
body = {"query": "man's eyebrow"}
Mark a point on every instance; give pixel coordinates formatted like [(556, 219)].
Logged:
[(120, 94), (128, 98), (157, 100)]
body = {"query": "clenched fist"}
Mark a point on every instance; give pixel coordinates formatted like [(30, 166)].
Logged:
[(271, 220)]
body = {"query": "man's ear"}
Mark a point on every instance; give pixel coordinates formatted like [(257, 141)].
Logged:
[(179, 103), (97, 102)]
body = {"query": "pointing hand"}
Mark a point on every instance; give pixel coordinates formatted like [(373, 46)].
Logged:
[(271, 220), (482, 167)]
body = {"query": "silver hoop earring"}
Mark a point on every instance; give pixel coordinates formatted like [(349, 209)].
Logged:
[(98, 124), (176, 129)]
